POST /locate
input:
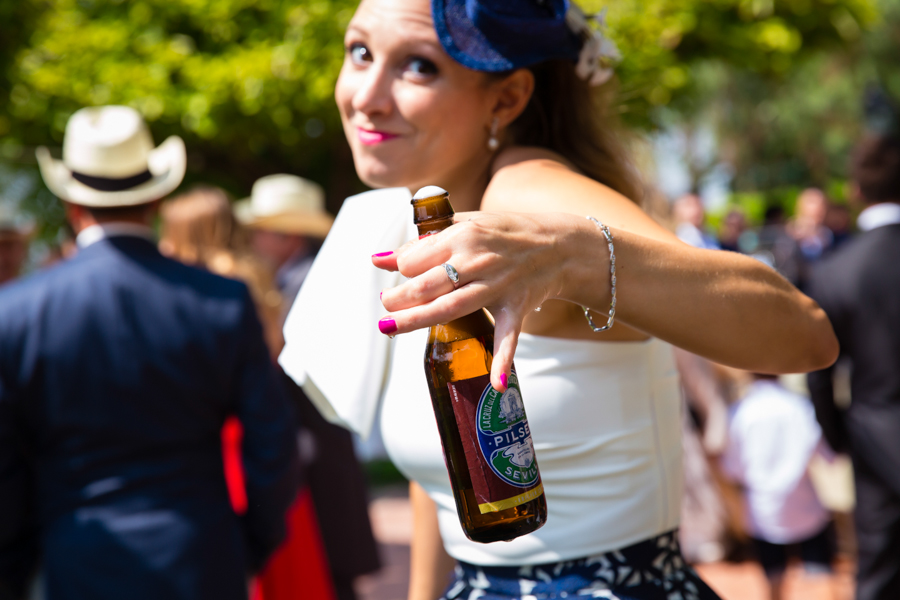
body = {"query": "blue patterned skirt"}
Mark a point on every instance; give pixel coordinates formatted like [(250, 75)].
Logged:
[(650, 570)]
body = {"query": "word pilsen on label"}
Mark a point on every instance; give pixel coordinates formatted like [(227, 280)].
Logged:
[(497, 440), (504, 435)]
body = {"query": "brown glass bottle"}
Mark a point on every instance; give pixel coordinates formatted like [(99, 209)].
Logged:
[(484, 433)]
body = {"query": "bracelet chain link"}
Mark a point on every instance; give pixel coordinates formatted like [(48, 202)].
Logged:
[(612, 272)]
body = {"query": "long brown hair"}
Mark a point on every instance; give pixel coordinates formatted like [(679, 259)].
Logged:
[(197, 225), (568, 116), (199, 228)]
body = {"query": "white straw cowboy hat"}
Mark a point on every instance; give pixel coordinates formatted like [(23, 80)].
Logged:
[(109, 160), (286, 204)]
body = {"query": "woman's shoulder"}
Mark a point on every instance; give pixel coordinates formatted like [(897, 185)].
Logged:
[(516, 155), (523, 177)]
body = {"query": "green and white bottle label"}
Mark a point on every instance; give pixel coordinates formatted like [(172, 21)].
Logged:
[(504, 436)]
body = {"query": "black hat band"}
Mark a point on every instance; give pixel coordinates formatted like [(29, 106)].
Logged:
[(108, 184)]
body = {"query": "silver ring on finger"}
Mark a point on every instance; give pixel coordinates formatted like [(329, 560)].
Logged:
[(452, 273)]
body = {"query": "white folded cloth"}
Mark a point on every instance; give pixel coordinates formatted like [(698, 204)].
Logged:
[(333, 348)]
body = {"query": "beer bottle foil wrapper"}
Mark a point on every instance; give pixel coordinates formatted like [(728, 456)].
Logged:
[(497, 442)]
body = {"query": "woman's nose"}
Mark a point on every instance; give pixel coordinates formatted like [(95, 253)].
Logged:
[(374, 93)]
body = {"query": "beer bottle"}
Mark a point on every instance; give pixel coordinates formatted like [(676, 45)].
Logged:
[(484, 433)]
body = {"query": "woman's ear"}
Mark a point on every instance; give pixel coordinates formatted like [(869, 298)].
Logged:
[(512, 94)]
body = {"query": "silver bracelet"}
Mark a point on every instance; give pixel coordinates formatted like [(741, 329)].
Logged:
[(612, 272)]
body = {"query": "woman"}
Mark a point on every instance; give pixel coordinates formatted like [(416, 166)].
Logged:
[(485, 100)]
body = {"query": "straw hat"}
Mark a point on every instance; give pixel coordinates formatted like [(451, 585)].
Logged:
[(286, 204), (109, 160)]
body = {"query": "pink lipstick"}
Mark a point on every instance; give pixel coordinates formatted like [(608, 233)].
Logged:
[(371, 138)]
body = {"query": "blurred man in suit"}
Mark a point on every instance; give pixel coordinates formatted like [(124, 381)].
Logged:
[(117, 371), (858, 286)]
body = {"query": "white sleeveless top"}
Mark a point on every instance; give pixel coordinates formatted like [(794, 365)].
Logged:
[(605, 420), (604, 416)]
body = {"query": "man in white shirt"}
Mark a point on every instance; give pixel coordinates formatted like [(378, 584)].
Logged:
[(773, 435)]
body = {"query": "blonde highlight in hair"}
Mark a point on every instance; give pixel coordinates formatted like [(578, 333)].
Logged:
[(199, 228), (568, 116), (198, 224)]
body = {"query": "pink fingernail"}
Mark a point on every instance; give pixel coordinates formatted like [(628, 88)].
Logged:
[(503, 380), (380, 254), (387, 326)]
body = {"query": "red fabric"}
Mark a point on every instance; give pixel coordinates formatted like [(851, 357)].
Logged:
[(299, 569), (232, 434)]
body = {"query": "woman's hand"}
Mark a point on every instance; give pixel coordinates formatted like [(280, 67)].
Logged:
[(508, 263)]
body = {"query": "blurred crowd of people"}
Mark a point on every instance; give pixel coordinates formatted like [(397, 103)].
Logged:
[(268, 242), (757, 449), (791, 246), (744, 429), (749, 441)]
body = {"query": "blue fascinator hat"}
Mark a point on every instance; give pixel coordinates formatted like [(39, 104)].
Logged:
[(503, 35)]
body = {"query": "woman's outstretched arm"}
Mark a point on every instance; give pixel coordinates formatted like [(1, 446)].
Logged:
[(726, 307)]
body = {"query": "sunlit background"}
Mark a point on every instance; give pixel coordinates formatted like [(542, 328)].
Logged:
[(746, 101)]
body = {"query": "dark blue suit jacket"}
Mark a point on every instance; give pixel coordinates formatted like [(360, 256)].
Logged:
[(858, 287), (117, 370)]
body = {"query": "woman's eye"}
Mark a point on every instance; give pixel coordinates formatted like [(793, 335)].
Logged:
[(421, 67), (359, 54)]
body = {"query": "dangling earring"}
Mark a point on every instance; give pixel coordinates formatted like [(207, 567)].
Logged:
[(493, 143)]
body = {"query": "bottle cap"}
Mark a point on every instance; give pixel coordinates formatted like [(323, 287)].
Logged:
[(431, 204), (429, 191)]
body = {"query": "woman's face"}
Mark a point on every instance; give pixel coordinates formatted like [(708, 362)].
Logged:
[(412, 115)]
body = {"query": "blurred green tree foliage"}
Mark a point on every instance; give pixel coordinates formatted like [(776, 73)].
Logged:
[(663, 41), (800, 132), (790, 122), (249, 83)]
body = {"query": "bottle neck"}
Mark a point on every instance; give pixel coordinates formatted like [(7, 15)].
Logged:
[(432, 227), (433, 214)]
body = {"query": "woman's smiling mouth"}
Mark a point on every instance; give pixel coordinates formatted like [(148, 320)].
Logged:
[(371, 137)]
